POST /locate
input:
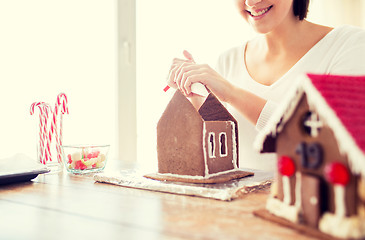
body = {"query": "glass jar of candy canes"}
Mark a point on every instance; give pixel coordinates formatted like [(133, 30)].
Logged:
[(49, 151)]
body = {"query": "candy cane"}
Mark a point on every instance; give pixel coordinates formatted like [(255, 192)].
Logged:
[(61, 104), (47, 130), (41, 128), (54, 131), (32, 109), (47, 134)]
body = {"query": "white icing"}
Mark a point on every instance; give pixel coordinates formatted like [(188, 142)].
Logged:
[(286, 190), (197, 177), (234, 145), (281, 209), (234, 150), (340, 207), (298, 190), (313, 200), (314, 124), (206, 170), (225, 144), (342, 227), (211, 145), (274, 189)]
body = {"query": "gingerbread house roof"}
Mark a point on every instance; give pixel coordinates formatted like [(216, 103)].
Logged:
[(340, 103)]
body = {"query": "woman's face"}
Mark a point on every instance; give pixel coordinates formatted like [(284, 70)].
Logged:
[(266, 15)]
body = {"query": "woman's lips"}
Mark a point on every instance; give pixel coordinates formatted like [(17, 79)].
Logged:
[(260, 12)]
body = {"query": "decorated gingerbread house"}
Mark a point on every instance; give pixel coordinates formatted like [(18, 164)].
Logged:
[(197, 145), (319, 138)]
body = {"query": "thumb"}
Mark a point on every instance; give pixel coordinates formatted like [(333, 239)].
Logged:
[(188, 56)]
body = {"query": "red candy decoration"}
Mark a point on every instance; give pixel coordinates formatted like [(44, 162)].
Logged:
[(69, 158), (337, 173), (286, 166), (93, 154), (80, 165)]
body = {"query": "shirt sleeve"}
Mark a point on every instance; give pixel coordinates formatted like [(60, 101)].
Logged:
[(265, 114), (349, 59)]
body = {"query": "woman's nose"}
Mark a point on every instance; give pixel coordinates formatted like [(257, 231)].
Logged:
[(251, 3)]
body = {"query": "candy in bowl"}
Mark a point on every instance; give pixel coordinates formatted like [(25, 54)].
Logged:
[(85, 158)]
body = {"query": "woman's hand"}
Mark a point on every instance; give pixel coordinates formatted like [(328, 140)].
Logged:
[(187, 72), (176, 63)]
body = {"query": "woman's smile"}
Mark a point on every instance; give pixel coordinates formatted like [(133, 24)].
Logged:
[(256, 14)]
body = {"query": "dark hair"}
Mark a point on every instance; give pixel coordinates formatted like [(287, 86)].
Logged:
[(300, 8)]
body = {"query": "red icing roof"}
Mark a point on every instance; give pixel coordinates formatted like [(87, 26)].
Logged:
[(346, 96)]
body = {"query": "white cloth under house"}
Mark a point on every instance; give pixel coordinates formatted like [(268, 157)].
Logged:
[(341, 51)]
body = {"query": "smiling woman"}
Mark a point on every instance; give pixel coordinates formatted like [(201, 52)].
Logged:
[(254, 77), (166, 28)]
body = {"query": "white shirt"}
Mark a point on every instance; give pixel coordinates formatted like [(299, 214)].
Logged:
[(341, 52)]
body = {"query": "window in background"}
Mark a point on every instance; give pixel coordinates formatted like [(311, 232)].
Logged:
[(48, 47)]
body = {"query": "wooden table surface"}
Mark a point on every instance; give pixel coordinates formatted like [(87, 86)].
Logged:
[(66, 206)]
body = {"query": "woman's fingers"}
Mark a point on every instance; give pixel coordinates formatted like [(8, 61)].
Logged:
[(176, 63), (183, 68), (189, 79), (176, 68), (171, 77), (188, 74), (188, 55)]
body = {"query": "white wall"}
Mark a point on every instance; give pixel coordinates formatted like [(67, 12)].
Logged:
[(52, 46), (338, 12)]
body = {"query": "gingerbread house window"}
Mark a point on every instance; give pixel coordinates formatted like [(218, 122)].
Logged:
[(311, 124), (211, 145), (223, 144)]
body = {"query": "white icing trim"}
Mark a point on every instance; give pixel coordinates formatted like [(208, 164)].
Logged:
[(298, 189), (196, 177), (314, 123), (234, 153), (343, 227), (234, 146), (206, 170), (313, 200), (286, 190), (225, 144), (346, 143), (211, 145), (340, 206), (281, 209)]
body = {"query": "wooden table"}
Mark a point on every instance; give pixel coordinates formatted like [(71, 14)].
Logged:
[(65, 206)]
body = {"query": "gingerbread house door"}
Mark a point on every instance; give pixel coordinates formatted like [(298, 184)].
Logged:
[(311, 199)]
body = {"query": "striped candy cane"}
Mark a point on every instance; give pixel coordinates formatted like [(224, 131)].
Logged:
[(41, 128), (54, 130), (48, 129), (61, 108), (47, 135), (32, 109)]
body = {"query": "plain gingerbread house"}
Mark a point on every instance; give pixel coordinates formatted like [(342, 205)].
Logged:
[(197, 145)]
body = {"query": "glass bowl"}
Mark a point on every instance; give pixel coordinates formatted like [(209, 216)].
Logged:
[(85, 158)]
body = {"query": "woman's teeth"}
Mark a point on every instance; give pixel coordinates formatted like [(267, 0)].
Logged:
[(256, 14)]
